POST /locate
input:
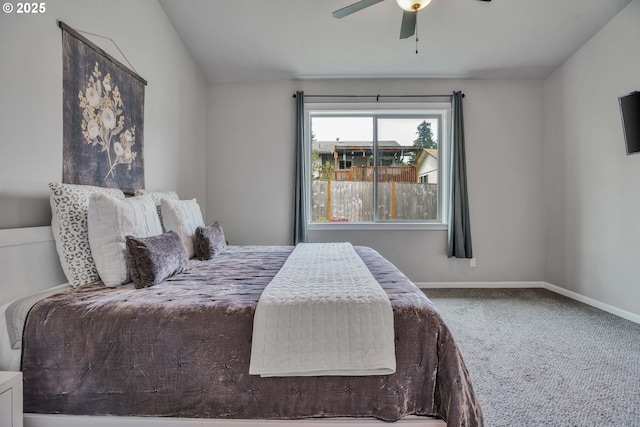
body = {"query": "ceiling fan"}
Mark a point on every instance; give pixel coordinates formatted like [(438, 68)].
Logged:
[(409, 16)]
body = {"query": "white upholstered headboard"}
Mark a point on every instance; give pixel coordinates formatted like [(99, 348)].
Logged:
[(28, 262)]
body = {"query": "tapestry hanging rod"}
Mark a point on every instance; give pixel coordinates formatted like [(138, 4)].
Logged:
[(76, 33), (377, 97)]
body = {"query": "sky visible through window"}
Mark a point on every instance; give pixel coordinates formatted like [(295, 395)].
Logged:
[(404, 130)]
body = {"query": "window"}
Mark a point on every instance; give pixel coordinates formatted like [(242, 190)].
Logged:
[(378, 165)]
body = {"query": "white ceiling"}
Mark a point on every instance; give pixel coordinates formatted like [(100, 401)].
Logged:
[(258, 40)]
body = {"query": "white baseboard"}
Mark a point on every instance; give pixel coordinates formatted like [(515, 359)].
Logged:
[(594, 303), (479, 285), (545, 285)]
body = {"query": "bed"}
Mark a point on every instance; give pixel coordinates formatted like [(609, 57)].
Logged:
[(178, 352)]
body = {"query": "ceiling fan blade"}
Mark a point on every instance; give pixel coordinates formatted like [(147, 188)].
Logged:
[(408, 27), (341, 13)]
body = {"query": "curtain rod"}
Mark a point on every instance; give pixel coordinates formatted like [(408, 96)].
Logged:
[(377, 96)]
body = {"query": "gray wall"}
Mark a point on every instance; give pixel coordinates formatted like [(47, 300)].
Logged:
[(592, 204), (250, 174), (31, 100), (553, 195)]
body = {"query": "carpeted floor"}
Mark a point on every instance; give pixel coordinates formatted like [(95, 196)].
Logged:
[(540, 359)]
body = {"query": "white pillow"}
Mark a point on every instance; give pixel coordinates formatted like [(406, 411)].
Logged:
[(182, 217), (157, 196), (69, 204), (110, 221)]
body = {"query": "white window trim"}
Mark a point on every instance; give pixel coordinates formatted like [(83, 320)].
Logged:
[(381, 225), (378, 109)]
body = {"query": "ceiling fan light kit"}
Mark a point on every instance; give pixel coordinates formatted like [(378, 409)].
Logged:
[(413, 5)]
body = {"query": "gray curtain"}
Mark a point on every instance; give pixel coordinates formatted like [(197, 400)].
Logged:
[(301, 176), (459, 222)]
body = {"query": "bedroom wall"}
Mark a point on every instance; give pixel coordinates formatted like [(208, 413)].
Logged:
[(592, 206), (31, 100), (250, 149)]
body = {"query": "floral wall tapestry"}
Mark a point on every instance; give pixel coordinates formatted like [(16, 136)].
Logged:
[(103, 115)]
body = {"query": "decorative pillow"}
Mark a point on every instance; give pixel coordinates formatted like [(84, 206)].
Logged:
[(153, 259), (69, 204), (110, 221), (183, 217), (209, 241), (157, 196)]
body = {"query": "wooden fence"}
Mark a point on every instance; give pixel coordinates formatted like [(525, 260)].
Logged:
[(353, 201)]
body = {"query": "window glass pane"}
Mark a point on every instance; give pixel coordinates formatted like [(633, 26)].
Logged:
[(405, 161), (342, 169), (407, 169)]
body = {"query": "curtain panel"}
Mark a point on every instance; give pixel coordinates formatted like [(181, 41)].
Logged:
[(301, 176), (459, 241)]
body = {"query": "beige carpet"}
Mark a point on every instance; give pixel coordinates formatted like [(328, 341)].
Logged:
[(540, 359)]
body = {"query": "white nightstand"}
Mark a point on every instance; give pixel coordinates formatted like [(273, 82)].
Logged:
[(10, 399)]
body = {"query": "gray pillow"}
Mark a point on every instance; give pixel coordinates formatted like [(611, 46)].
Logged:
[(153, 259), (209, 241)]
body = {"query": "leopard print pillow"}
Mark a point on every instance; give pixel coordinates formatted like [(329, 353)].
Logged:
[(69, 203)]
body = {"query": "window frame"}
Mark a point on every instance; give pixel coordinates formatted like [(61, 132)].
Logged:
[(380, 110)]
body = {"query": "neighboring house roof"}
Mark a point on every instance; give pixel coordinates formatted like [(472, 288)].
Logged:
[(432, 151), (329, 147)]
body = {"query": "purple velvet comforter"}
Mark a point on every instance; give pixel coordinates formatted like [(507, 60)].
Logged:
[(181, 349)]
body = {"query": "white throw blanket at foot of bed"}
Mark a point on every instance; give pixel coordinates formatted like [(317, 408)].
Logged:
[(323, 314)]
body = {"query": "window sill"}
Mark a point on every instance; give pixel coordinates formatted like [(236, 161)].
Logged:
[(317, 226)]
